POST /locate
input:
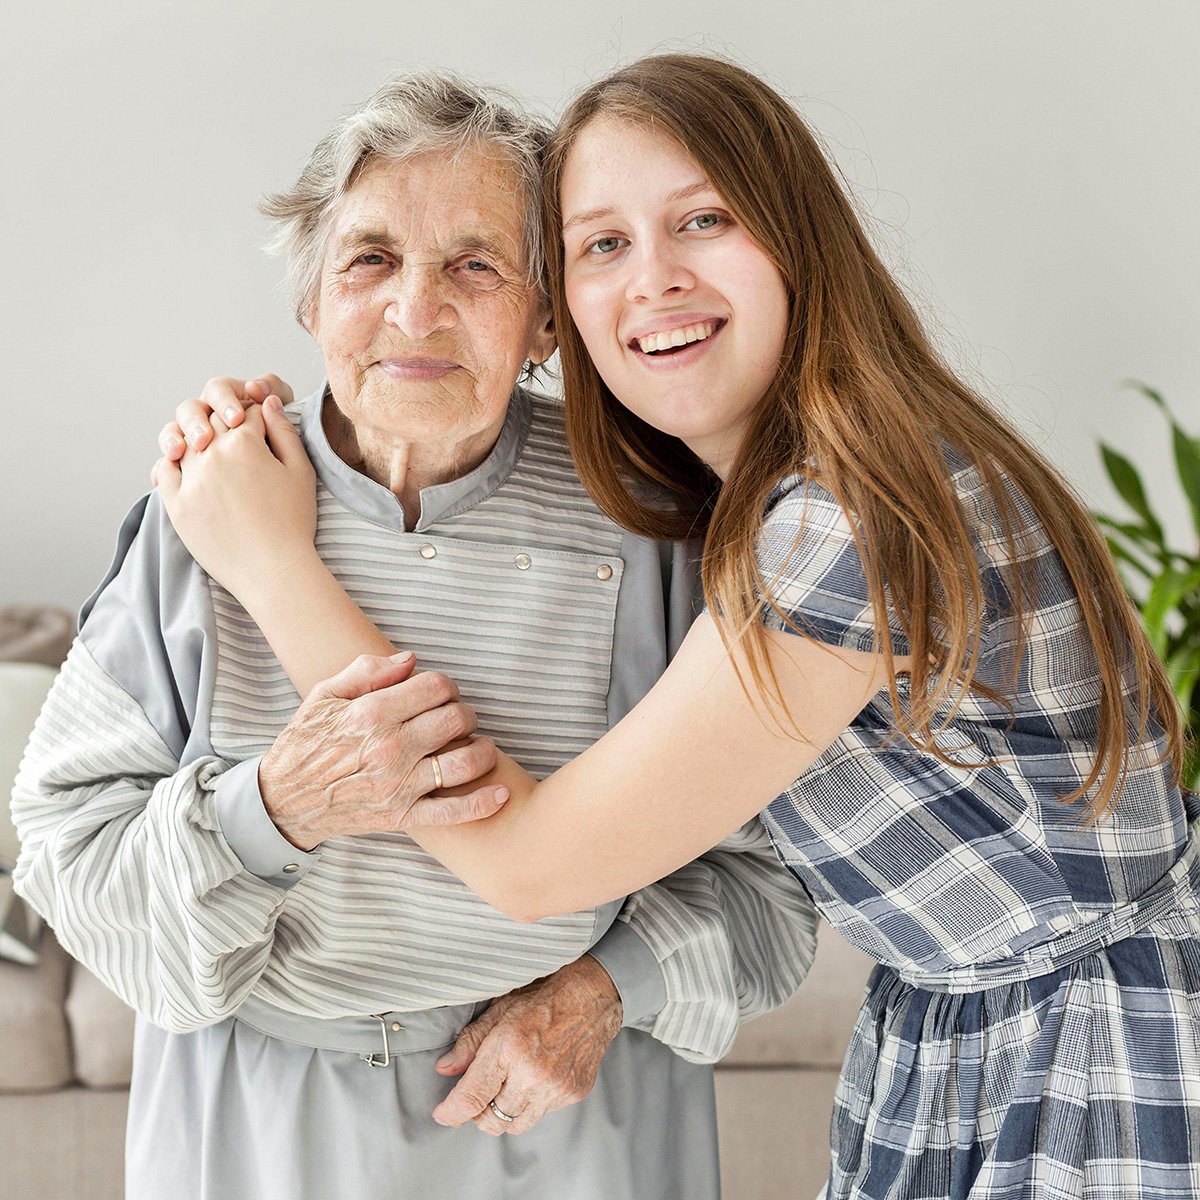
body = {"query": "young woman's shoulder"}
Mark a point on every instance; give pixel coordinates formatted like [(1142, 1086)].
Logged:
[(811, 559)]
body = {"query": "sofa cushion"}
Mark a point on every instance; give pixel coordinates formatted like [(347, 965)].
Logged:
[(23, 688), (813, 1028), (774, 1130), (101, 1028), (34, 1049)]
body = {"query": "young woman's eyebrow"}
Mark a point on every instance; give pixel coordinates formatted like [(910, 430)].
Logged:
[(594, 214)]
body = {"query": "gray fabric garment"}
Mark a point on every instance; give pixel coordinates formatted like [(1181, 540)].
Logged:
[(135, 847), (227, 1113)]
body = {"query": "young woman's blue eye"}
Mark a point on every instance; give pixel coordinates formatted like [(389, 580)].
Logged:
[(606, 245), (705, 221)]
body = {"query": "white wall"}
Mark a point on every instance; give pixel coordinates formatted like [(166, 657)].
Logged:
[(1032, 162)]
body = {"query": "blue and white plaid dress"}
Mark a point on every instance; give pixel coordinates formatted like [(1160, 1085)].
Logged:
[(1033, 1026)]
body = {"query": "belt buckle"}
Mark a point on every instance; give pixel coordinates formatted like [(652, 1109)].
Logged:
[(374, 1060)]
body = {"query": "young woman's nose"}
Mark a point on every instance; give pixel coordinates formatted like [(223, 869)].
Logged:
[(657, 269)]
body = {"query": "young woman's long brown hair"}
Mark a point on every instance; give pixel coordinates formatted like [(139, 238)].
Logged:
[(862, 399)]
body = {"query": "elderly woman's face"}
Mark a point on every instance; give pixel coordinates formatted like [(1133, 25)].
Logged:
[(425, 315)]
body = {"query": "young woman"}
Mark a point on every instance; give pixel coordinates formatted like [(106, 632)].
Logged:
[(917, 661)]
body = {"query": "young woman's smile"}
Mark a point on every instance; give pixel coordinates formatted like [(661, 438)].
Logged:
[(681, 311)]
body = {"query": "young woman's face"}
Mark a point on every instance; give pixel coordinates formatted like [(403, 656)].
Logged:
[(682, 312)]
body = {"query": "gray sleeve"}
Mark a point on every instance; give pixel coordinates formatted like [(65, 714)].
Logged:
[(116, 800), (731, 935), (251, 833)]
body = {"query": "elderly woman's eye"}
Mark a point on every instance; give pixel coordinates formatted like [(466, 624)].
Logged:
[(371, 259), (477, 273)]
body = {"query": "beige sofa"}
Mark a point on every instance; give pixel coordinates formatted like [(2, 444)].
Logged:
[(65, 1045)]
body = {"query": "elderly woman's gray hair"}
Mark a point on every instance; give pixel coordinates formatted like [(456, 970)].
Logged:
[(407, 116)]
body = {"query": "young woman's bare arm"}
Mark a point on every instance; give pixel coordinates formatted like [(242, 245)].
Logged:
[(692, 762)]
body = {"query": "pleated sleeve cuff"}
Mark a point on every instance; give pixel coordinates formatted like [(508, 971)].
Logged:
[(635, 973), (251, 833)]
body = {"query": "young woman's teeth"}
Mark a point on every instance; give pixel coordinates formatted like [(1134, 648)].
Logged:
[(653, 343)]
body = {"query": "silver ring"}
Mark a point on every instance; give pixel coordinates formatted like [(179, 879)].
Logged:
[(437, 773), (500, 1112)]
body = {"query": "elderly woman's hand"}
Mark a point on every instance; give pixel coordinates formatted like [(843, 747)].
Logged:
[(365, 749), (246, 507), (223, 396)]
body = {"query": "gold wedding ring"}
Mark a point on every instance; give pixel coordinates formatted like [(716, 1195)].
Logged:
[(437, 779)]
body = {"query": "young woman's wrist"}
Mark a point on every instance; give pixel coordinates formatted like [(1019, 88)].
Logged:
[(282, 579)]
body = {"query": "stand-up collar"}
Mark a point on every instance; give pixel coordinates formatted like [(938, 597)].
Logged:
[(439, 501)]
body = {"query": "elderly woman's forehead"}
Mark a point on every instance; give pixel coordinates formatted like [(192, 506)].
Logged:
[(474, 178)]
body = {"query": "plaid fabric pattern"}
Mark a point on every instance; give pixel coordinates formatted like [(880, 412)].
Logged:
[(1033, 1026)]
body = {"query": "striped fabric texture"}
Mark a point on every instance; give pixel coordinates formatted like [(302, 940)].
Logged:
[(1033, 1028), (514, 597)]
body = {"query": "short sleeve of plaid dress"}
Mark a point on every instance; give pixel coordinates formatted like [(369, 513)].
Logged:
[(1033, 1026)]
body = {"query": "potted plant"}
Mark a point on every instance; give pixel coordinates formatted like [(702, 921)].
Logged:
[(1163, 582)]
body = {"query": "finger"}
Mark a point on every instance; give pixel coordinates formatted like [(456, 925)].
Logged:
[(270, 385), (252, 421), (511, 1105), (454, 768), (426, 691), (170, 441), (439, 811), (462, 1054), (471, 1093), (282, 436), (226, 396), (431, 730), (218, 424), (367, 673), (166, 476), (527, 1119), (192, 417)]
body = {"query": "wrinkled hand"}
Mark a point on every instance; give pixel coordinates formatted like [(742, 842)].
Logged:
[(355, 757), (533, 1051), (246, 508), (223, 396)]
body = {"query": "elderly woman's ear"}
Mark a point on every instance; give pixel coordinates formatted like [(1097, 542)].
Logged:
[(544, 342)]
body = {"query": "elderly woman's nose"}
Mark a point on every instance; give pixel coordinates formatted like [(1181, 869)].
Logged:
[(419, 305)]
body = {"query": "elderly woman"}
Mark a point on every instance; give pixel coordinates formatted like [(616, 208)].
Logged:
[(282, 935)]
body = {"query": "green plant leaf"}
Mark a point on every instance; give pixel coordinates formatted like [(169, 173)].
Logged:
[(1187, 461), (1138, 534), (1128, 483), (1146, 390), (1124, 556)]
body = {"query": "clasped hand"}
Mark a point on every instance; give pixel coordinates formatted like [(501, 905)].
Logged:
[(366, 747)]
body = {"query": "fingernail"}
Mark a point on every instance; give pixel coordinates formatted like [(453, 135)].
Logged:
[(230, 415), (502, 794), (195, 433), (274, 403), (447, 1060), (403, 656), (173, 443)]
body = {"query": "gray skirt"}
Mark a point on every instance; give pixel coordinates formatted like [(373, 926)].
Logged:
[(235, 1113)]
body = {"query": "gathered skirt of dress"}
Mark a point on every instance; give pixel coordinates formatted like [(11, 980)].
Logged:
[(1082, 1084)]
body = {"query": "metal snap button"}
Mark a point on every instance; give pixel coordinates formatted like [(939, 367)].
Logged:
[(291, 868), (523, 561), (428, 551), (604, 571)]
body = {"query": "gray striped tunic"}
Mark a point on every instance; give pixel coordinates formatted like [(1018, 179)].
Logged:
[(146, 845)]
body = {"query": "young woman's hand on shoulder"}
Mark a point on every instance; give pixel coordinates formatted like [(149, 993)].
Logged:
[(245, 505)]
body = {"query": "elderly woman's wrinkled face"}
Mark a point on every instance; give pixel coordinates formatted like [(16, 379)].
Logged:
[(425, 314)]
